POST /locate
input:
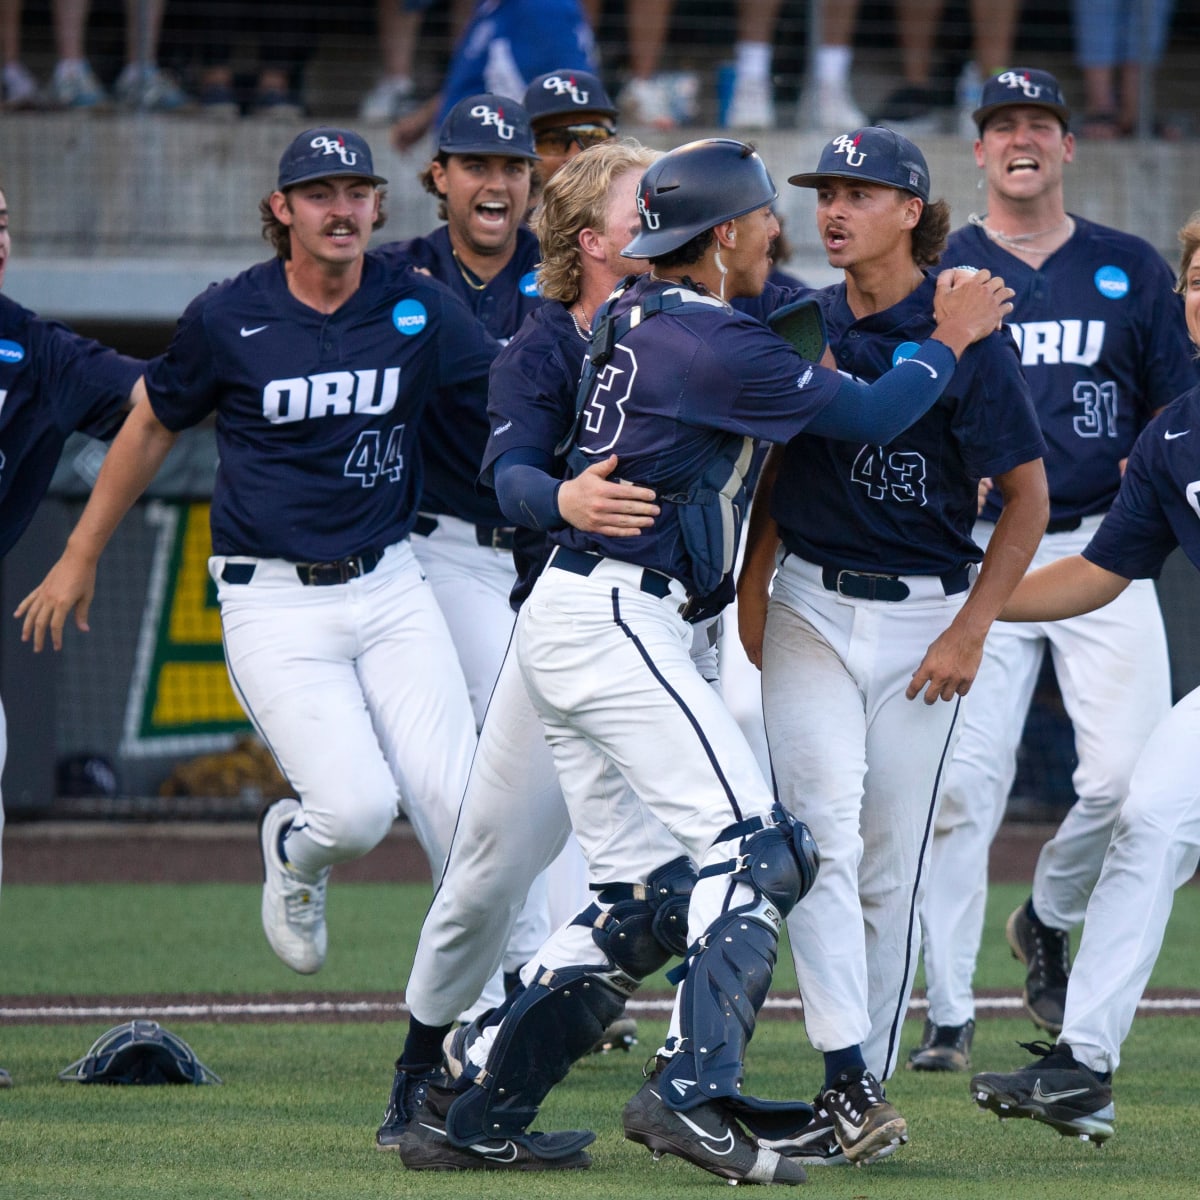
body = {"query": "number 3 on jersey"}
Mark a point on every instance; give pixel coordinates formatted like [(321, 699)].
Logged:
[(370, 457), (898, 475), (604, 413)]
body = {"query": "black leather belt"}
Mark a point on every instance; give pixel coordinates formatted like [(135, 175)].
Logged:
[(341, 570), (654, 583), (498, 537), (321, 574), (1064, 524), (865, 585)]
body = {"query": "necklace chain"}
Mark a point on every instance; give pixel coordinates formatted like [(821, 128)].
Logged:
[(1018, 241), (469, 276), (585, 330)]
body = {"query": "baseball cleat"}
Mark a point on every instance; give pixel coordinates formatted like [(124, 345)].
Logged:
[(706, 1136), (814, 1144), (5, 1079), (425, 1145), (293, 908), (1046, 954), (408, 1091), (943, 1048), (867, 1127), (1057, 1090)]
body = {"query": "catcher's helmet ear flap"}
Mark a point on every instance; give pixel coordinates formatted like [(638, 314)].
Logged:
[(695, 187), (140, 1052)]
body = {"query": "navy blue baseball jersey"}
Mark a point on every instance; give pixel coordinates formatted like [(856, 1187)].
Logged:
[(317, 415), (908, 507), (1158, 505), (682, 390), (454, 430), (531, 403), (1103, 344), (52, 383)]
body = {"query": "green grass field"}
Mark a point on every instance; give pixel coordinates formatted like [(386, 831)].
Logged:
[(296, 1115)]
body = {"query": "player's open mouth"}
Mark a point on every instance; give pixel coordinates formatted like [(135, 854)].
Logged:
[(340, 231), (1022, 164), (835, 239), (492, 212)]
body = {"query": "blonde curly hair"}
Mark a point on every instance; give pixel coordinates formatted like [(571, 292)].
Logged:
[(575, 199)]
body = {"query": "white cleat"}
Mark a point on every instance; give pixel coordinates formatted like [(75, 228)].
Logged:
[(293, 907)]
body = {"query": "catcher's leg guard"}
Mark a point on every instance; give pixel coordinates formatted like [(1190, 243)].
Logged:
[(728, 971), (557, 1019), (561, 1015)]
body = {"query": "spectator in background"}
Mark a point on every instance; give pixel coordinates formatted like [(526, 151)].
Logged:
[(505, 44), (918, 105), (828, 106), (141, 83), (399, 23), (20, 87), (284, 37), (1113, 40), (650, 99)]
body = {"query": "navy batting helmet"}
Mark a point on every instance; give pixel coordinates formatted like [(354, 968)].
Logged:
[(695, 187)]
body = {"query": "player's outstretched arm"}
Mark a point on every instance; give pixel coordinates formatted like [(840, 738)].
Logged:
[(758, 563), (952, 661), (1065, 588), (969, 307), (596, 503), (131, 463)]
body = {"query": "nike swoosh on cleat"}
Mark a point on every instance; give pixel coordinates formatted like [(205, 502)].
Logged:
[(1170, 437), (1050, 1097), (721, 1148), (505, 1153), (251, 332)]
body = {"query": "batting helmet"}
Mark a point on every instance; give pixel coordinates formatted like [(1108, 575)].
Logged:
[(138, 1052), (695, 187)]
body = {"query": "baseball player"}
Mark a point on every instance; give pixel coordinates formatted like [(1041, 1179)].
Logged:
[(569, 111), (513, 821), (875, 574), (1155, 846), (52, 382), (603, 646), (1102, 344), (319, 365)]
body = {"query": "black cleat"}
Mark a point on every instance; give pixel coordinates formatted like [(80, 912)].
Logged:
[(425, 1145), (867, 1126), (408, 1091), (1046, 954), (620, 1035), (1057, 1090), (706, 1136), (943, 1048), (814, 1144)]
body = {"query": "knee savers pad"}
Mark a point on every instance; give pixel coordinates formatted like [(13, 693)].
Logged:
[(554, 1022), (640, 932), (782, 862), (726, 984)]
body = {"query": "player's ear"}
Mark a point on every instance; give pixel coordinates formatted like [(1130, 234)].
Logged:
[(726, 233), (437, 173), (280, 208)]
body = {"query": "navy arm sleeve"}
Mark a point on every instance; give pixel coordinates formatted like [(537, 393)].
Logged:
[(881, 411), (527, 492)]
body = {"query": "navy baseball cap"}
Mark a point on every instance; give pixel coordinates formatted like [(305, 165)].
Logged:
[(874, 155), (1026, 86), (323, 153), (564, 92), (487, 124)]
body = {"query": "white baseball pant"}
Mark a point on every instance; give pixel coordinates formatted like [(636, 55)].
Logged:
[(357, 691), (1114, 677), (862, 766)]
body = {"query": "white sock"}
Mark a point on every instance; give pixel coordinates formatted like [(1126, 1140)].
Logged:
[(753, 60), (833, 64)]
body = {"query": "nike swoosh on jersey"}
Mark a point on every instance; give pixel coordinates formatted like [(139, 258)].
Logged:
[(251, 332), (1050, 1097), (917, 362), (502, 429), (1170, 437)]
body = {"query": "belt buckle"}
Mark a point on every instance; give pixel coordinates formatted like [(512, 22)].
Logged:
[(500, 535)]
